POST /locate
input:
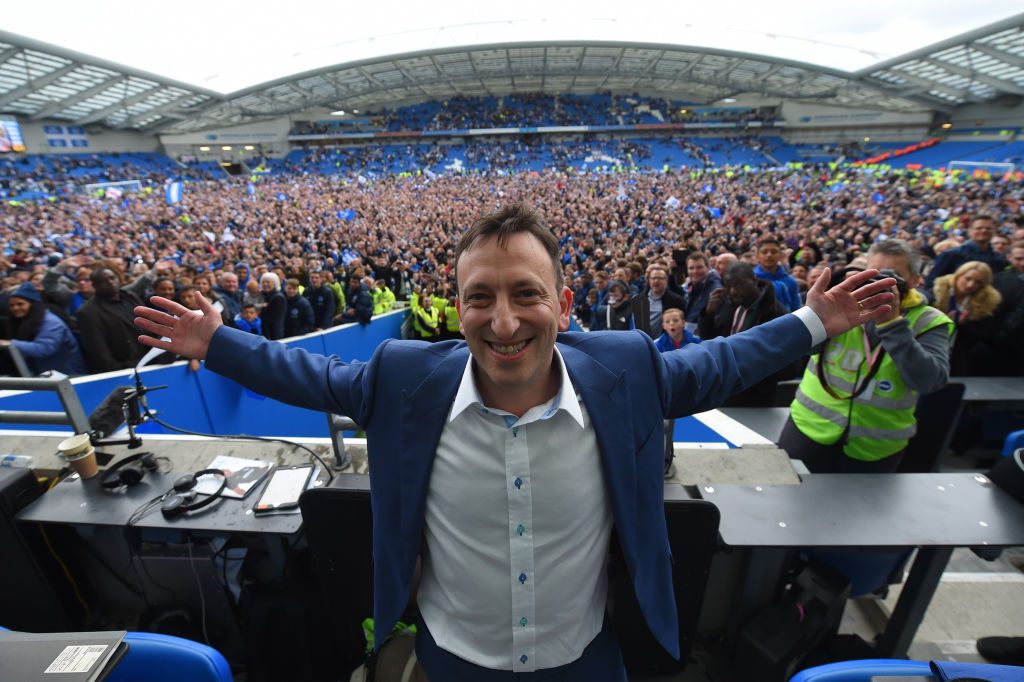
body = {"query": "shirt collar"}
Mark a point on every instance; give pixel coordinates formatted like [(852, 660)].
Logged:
[(468, 394)]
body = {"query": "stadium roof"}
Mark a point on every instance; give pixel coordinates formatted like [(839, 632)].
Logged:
[(42, 81)]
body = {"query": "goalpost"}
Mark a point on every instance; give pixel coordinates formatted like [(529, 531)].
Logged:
[(117, 187), (983, 168)]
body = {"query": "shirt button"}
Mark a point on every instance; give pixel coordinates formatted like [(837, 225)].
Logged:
[(522, 578), (515, 432), (518, 482), (523, 621), (520, 529), (523, 659)]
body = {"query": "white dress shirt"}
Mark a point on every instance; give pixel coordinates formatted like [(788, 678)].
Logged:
[(518, 524)]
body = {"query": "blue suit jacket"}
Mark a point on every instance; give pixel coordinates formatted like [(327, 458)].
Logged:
[(402, 397)]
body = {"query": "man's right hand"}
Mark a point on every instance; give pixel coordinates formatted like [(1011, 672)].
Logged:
[(189, 331), (715, 300)]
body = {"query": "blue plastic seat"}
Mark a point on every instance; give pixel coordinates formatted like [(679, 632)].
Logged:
[(166, 658), (1013, 441), (863, 671)]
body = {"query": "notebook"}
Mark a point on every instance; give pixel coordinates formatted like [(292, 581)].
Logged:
[(60, 656)]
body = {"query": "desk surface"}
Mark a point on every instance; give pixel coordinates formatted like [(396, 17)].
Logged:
[(870, 510), (767, 421), (74, 501)]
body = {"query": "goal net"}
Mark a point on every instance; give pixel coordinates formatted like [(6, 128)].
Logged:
[(982, 169), (112, 189)]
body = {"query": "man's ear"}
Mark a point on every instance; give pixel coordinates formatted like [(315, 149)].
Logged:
[(458, 307), (565, 309)]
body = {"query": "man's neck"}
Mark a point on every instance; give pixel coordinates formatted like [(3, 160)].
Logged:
[(982, 246), (519, 400)]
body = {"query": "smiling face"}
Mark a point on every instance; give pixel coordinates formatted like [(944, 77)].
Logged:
[(18, 307), (165, 288), (510, 310)]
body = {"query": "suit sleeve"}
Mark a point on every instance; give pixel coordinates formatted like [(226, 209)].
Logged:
[(293, 375), (701, 377)]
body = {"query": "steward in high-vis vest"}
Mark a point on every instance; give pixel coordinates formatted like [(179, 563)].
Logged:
[(451, 320), (854, 409), (425, 318), (383, 298)]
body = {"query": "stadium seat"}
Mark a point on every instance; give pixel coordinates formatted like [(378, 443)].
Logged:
[(864, 671), (1013, 441), (165, 658)]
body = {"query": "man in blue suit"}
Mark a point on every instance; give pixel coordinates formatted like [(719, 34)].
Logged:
[(505, 461)]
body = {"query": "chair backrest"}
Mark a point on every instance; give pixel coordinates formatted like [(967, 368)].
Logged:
[(864, 671), (165, 658), (937, 415), (339, 529), (693, 539), (1013, 441)]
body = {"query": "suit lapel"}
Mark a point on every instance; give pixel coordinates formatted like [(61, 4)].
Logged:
[(606, 397)]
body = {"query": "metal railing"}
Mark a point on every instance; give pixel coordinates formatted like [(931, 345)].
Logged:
[(17, 359), (73, 414)]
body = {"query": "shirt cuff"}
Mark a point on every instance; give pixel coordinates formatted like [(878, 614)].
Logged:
[(813, 324)]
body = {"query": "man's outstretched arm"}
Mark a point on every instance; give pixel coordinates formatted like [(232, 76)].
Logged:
[(703, 376), (291, 375)]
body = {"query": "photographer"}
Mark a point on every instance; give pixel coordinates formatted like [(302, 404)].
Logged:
[(854, 409)]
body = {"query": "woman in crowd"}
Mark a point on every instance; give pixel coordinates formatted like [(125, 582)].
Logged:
[(273, 313), (969, 299), (42, 338)]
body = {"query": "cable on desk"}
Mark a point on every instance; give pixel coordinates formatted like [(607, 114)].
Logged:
[(238, 436)]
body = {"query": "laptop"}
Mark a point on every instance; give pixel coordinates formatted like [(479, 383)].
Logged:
[(60, 656)]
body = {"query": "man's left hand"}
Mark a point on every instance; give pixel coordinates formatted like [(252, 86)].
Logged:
[(851, 303)]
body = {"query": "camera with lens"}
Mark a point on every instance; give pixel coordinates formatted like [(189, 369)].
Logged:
[(901, 284)]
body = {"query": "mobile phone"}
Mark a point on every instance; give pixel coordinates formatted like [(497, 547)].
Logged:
[(284, 488)]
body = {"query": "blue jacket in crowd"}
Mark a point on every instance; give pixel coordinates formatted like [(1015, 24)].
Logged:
[(664, 343), (787, 291), (54, 347)]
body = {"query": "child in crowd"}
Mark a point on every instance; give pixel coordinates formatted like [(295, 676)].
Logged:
[(253, 296), (249, 319), (675, 334), (673, 337)]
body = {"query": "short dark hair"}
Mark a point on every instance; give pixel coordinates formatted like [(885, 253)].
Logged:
[(509, 220), (768, 240), (247, 305), (740, 269), (698, 255)]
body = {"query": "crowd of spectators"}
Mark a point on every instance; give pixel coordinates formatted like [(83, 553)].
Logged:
[(270, 251), (534, 109)]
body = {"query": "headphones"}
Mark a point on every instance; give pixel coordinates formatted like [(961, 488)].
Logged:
[(179, 499), (129, 471)]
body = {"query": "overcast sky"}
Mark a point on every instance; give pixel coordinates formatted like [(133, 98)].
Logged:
[(226, 45)]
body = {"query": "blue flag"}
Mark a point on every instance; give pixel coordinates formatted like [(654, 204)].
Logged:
[(174, 190)]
